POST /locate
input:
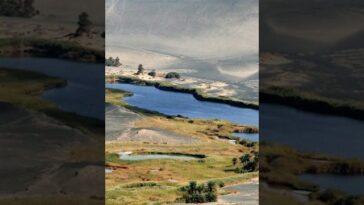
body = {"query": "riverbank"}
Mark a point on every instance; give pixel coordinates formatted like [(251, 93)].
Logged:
[(220, 128), (201, 91), (64, 142), (160, 180), (26, 87), (49, 48), (312, 102), (277, 159)]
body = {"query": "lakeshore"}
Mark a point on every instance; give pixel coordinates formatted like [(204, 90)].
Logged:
[(160, 180), (201, 89)]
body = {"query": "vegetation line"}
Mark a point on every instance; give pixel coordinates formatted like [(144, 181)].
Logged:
[(312, 102), (197, 93)]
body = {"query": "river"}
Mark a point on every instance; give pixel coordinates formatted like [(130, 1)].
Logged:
[(174, 103), (311, 132), (84, 93)]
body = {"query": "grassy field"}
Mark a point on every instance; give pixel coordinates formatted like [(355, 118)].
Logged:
[(159, 181)]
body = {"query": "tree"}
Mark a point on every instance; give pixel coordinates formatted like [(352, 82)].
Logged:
[(140, 69), (192, 187), (244, 159), (211, 196), (211, 186), (152, 73), (113, 62), (84, 24), (173, 75), (199, 193)]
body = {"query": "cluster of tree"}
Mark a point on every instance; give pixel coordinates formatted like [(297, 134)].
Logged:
[(173, 75), (246, 163), (18, 8), (152, 73), (199, 193), (247, 143), (113, 62)]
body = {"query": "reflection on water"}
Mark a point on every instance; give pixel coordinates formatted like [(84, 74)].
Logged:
[(173, 103)]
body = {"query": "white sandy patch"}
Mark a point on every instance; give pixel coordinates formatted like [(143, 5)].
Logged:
[(239, 72)]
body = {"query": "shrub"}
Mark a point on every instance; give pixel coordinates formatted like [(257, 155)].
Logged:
[(152, 73), (247, 163), (173, 75), (113, 62), (199, 193)]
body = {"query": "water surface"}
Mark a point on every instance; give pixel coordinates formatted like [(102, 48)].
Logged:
[(173, 103), (137, 157), (254, 137), (84, 93), (312, 132), (345, 183)]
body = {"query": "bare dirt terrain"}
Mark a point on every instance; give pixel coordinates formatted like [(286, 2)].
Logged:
[(44, 164)]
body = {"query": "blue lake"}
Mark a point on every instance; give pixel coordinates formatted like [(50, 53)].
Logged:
[(254, 137), (173, 103), (311, 132), (84, 93)]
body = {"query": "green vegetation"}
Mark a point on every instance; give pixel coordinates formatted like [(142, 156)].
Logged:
[(113, 62), (245, 163), (199, 193), (161, 181), (18, 8), (50, 48), (173, 75), (152, 73), (312, 102)]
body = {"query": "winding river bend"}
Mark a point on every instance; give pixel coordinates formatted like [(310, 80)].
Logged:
[(172, 103), (311, 132), (84, 93)]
